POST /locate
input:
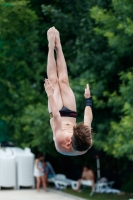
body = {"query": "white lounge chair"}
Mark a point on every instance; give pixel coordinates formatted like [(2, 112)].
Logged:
[(105, 187), (60, 180)]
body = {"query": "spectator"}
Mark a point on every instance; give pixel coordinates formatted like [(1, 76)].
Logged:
[(39, 172), (87, 174), (46, 172)]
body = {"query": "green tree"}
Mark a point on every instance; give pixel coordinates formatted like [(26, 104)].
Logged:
[(21, 80), (115, 25)]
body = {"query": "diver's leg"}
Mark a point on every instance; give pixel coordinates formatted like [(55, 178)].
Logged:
[(52, 70), (67, 94)]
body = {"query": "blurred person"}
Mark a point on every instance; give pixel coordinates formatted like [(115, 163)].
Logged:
[(70, 138), (39, 172), (46, 172), (87, 174)]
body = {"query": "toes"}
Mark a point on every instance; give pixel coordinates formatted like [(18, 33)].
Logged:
[(50, 29), (50, 32), (57, 33), (51, 35)]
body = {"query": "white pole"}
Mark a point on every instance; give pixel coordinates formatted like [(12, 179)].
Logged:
[(98, 167)]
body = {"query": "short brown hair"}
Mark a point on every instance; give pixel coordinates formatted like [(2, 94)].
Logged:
[(81, 139)]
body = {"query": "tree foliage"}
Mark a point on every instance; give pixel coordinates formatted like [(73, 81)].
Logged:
[(21, 75), (116, 26)]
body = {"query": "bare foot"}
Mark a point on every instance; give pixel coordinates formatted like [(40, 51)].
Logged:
[(51, 37), (57, 39)]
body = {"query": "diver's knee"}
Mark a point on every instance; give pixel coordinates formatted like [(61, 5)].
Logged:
[(64, 80), (53, 80)]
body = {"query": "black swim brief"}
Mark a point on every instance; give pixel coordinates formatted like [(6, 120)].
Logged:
[(65, 112)]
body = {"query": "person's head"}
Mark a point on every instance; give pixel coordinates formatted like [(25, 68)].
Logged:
[(86, 167), (40, 157), (82, 137)]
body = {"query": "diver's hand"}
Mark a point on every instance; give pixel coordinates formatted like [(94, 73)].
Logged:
[(48, 87), (87, 92)]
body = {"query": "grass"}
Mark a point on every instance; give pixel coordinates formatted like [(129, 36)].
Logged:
[(97, 196)]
